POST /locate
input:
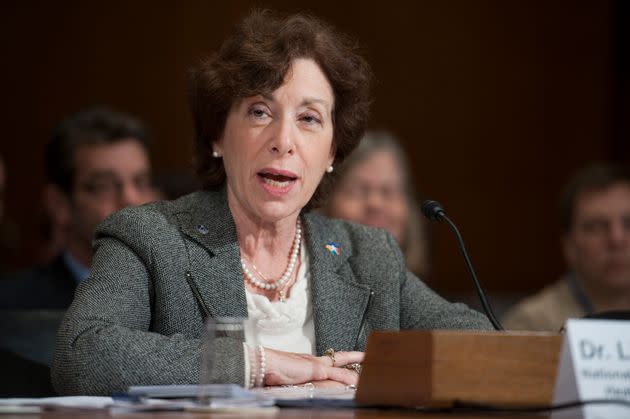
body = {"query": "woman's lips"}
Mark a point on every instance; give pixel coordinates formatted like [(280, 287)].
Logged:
[(276, 182)]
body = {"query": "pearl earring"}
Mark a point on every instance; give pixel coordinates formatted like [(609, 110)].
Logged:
[(216, 154), (329, 169)]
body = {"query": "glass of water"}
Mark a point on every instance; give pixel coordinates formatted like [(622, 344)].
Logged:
[(216, 328)]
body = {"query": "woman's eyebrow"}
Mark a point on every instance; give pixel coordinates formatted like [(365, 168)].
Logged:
[(268, 96), (312, 100), (305, 102)]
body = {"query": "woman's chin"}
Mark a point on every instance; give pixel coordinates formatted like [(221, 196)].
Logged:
[(275, 211)]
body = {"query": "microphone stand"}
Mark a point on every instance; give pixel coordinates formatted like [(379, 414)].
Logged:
[(433, 211), (482, 296)]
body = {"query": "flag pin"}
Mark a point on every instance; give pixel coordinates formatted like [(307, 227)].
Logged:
[(333, 248)]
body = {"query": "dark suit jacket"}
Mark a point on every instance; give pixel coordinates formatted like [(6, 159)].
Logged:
[(45, 287), (32, 303), (27, 340), (139, 318)]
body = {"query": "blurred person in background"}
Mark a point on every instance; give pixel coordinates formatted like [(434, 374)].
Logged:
[(374, 188), (97, 162), (595, 211)]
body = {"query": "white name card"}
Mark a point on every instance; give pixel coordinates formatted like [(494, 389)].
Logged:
[(594, 364)]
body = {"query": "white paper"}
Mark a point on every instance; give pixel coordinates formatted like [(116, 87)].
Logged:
[(306, 392), (83, 402), (594, 364)]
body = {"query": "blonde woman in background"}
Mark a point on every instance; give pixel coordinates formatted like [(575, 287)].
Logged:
[(374, 188)]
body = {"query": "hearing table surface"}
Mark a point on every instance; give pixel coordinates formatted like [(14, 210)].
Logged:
[(280, 414)]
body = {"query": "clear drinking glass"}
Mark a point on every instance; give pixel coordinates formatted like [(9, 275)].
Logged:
[(230, 327)]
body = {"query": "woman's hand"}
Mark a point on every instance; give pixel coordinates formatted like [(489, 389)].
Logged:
[(292, 368), (328, 384)]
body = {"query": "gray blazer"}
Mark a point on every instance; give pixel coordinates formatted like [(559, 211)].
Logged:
[(157, 273)]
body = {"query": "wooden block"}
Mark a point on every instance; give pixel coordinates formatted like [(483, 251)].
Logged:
[(435, 368)]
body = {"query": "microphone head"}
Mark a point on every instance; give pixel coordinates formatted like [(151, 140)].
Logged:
[(432, 210)]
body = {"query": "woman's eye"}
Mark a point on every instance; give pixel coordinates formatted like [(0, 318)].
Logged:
[(258, 112), (311, 119)]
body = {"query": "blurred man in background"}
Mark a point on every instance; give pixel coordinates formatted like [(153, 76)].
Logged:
[(97, 162), (596, 244)]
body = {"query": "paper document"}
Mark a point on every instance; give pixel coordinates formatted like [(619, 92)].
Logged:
[(75, 402)]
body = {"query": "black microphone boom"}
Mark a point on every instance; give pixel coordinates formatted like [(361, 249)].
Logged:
[(434, 212)]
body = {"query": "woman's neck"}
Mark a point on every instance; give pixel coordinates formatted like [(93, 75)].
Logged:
[(266, 244)]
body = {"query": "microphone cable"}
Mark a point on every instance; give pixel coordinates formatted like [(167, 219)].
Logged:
[(434, 212)]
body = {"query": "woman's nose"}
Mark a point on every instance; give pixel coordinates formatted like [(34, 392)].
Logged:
[(282, 139)]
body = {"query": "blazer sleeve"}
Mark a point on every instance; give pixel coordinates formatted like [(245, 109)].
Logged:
[(422, 308), (105, 343)]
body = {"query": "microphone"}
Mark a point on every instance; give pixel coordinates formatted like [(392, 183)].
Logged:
[(434, 212)]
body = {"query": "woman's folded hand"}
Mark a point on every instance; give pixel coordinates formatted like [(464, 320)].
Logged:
[(293, 368)]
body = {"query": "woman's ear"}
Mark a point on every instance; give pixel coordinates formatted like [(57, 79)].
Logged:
[(333, 152), (331, 160)]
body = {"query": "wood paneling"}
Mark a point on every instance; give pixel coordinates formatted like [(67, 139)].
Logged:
[(496, 102)]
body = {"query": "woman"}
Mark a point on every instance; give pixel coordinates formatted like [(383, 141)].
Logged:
[(374, 188), (281, 103)]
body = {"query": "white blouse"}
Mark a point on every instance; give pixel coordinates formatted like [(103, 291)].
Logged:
[(285, 326)]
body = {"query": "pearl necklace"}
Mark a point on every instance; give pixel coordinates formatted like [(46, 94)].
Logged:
[(281, 288), (288, 273)]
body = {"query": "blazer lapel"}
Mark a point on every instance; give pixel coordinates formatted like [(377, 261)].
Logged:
[(339, 303), (207, 221)]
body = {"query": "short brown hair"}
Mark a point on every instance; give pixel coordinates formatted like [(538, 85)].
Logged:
[(92, 125), (255, 61), (592, 178)]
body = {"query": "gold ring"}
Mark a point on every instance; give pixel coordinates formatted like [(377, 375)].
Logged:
[(330, 353), (356, 367)]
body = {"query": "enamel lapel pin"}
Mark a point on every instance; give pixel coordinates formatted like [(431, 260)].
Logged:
[(333, 248)]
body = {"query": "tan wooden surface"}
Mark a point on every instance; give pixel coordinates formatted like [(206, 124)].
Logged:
[(438, 367)]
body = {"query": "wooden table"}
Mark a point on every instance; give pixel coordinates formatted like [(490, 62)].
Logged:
[(281, 414)]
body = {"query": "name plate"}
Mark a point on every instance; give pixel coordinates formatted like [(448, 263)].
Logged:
[(594, 364)]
